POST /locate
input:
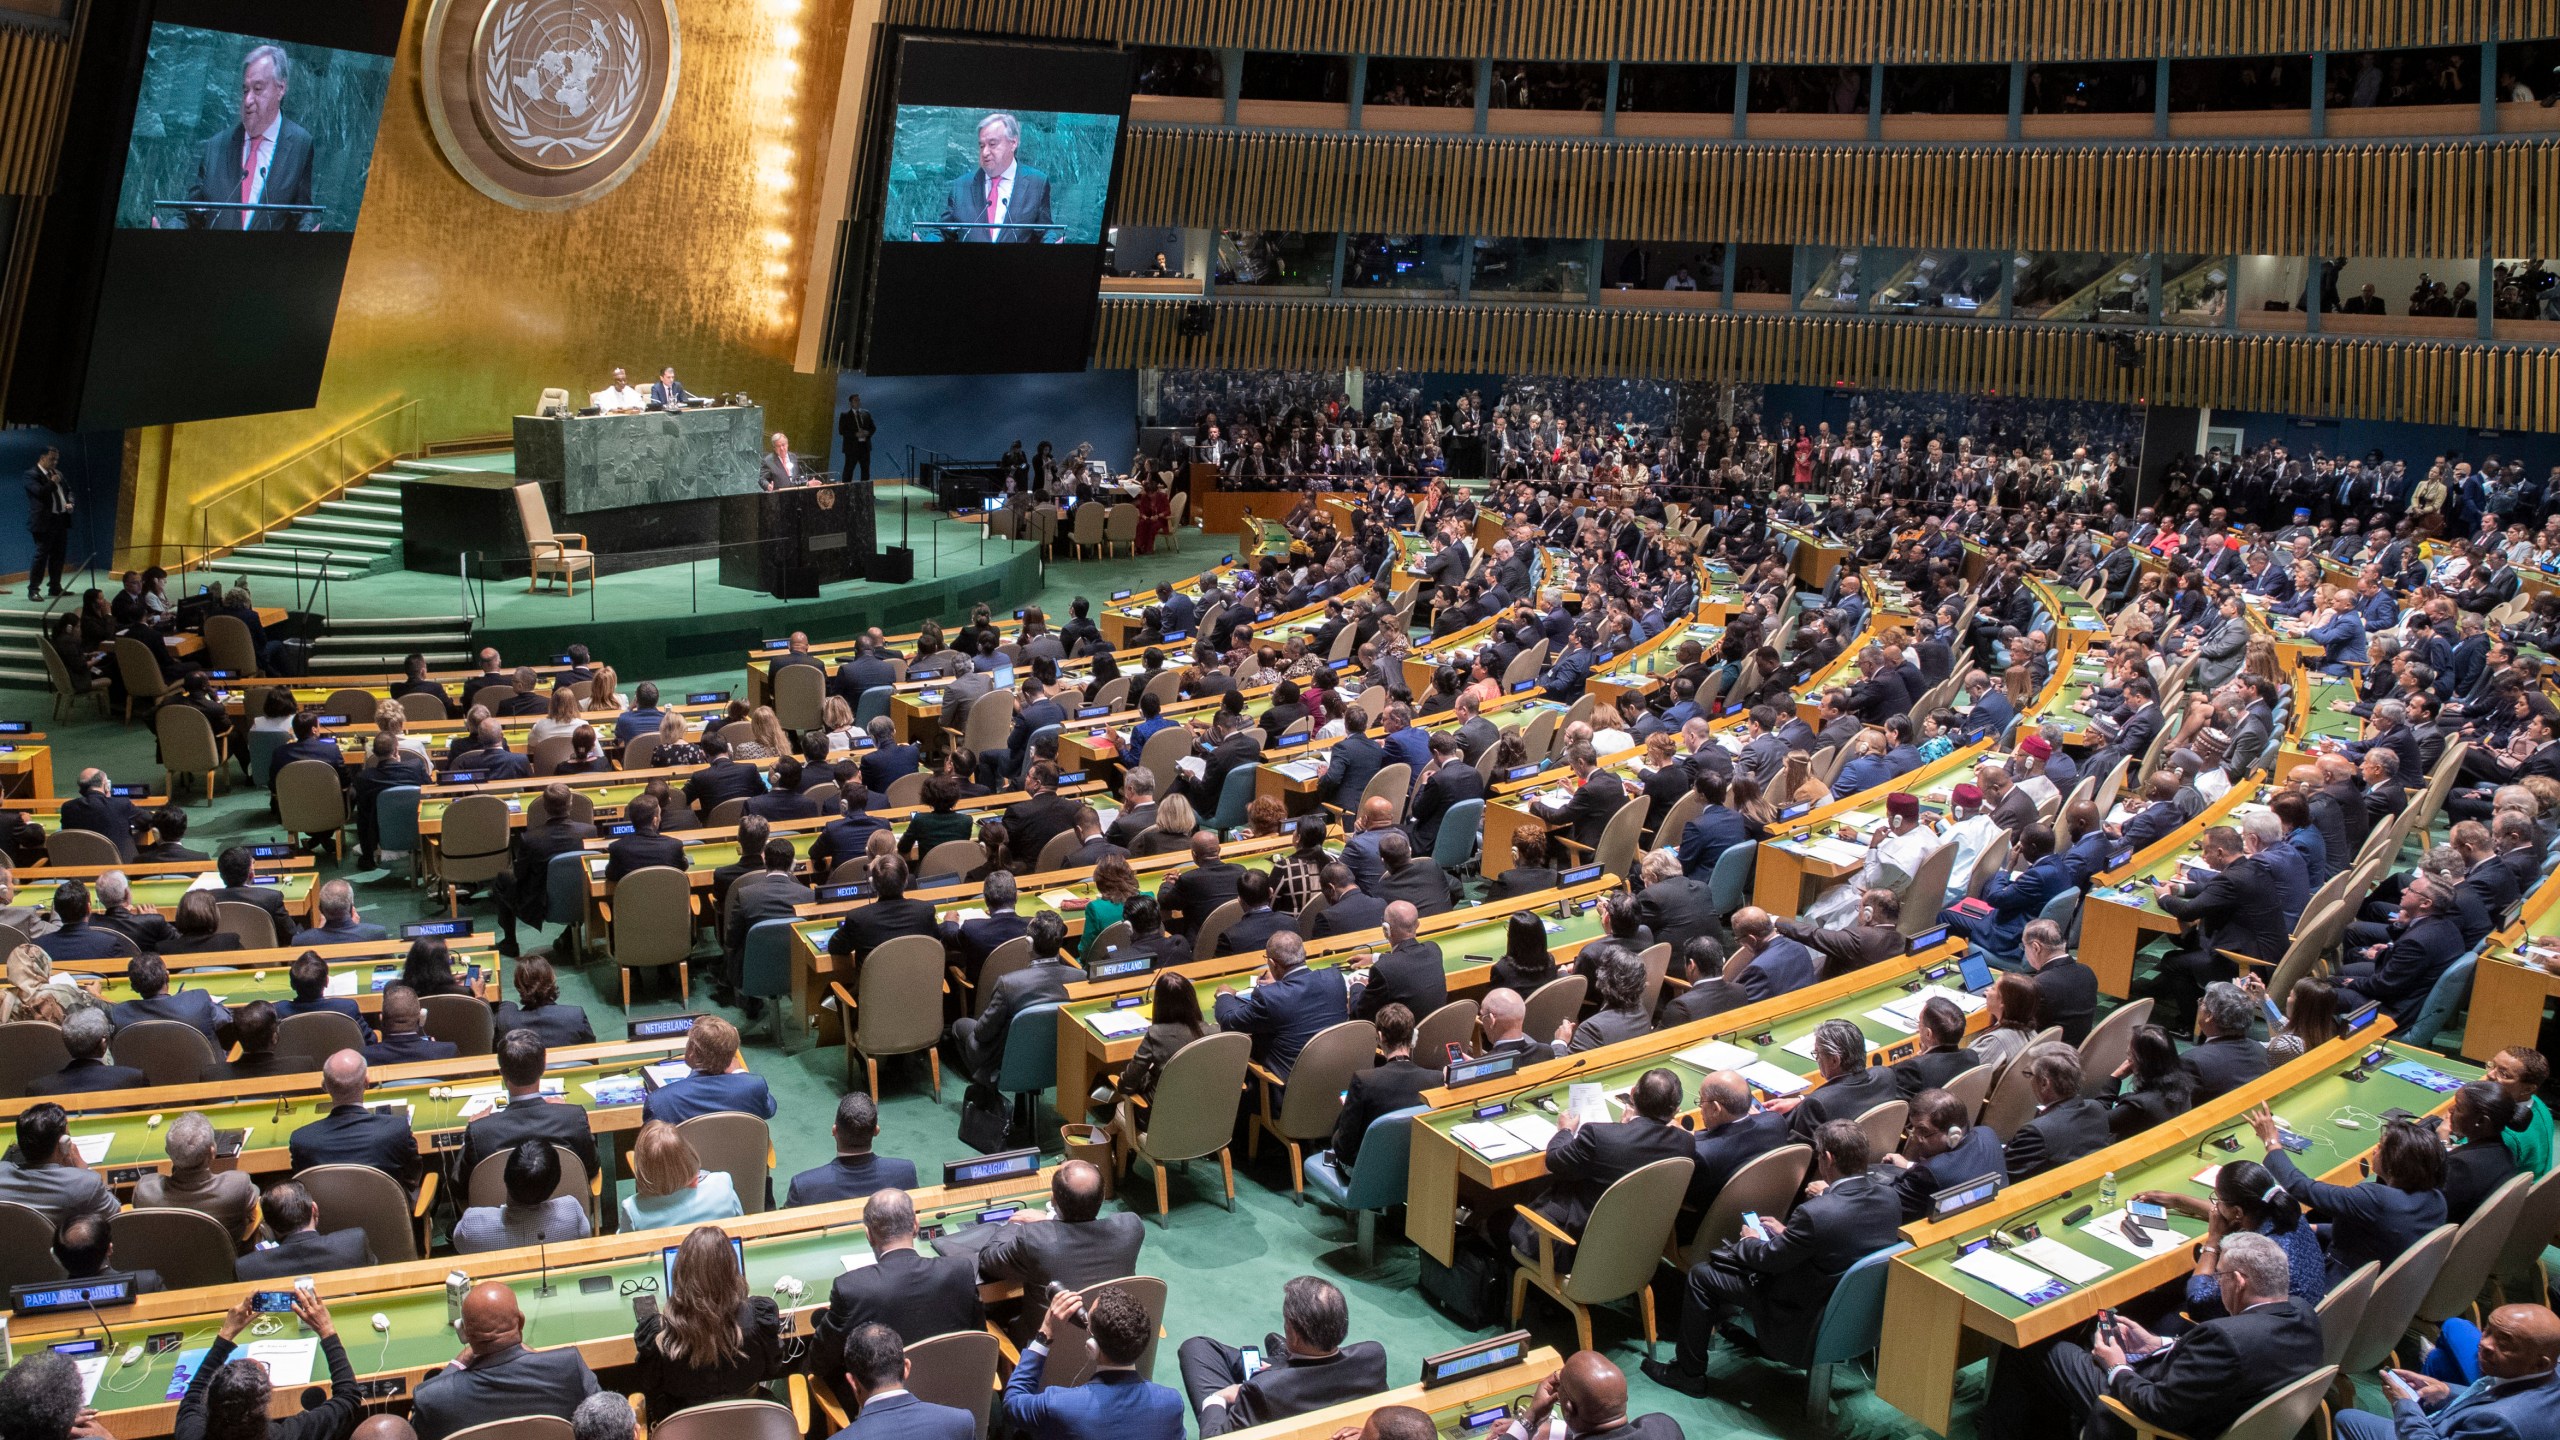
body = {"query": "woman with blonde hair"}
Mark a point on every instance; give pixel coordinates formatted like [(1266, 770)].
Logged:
[(1796, 783), (669, 1185), (1175, 824), (600, 691), (710, 1340), (765, 738), (389, 719), (2258, 661), (565, 717), (675, 742), (836, 718)]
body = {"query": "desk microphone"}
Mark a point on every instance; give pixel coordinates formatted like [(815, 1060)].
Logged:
[(542, 1246)]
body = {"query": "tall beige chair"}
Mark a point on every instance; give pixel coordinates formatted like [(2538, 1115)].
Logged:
[(80, 847), (1311, 1098), (1883, 1126), (477, 838), (187, 747), (1194, 1114), (319, 1033), (729, 1420), (1620, 1246), (167, 1052), (1165, 747), (2278, 1417), (309, 802), (523, 1427), (1553, 1004), (487, 1182), (422, 707), (1973, 1087), (958, 1370), (2111, 1039), (898, 1010), (651, 914), (464, 1021), (142, 678), (26, 1245), (1087, 529), (1451, 1024), (359, 1197), (1765, 1185), (66, 690), (2518, 1274), (2474, 1256), (2396, 1296), (187, 1247), (30, 1050), (1120, 527), (548, 551), (740, 1144), (798, 693), (1067, 1347)]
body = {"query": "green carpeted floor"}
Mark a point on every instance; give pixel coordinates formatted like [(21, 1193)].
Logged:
[(1226, 1269)]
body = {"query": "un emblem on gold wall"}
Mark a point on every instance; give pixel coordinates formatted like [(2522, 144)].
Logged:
[(548, 104)]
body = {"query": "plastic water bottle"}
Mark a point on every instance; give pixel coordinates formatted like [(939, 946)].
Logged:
[(2107, 1188)]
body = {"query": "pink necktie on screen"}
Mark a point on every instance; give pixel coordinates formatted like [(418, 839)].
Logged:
[(249, 176), (995, 203)]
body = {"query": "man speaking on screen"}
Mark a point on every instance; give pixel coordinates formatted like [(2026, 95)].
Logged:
[(992, 203), (263, 160)]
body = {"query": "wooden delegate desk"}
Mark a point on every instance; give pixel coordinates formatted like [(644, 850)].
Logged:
[(237, 977), (1095, 1031), (442, 1095), (812, 1243), (26, 766), (1938, 1319), (310, 692), (1510, 1389), (1650, 666), (2317, 722), (1816, 559), (2119, 915), (1445, 1170), (161, 885), (2516, 979), (1808, 855), (1294, 774)]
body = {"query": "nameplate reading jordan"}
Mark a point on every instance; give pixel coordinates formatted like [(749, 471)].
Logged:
[(1006, 1165)]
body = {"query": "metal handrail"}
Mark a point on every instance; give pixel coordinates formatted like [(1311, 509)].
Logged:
[(411, 411)]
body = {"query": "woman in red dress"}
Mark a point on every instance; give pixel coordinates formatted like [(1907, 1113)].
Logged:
[(1155, 515)]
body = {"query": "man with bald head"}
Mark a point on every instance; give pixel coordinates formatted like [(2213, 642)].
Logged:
[(2516, 1394), (1071, 1246), (1360, 852), (351, 1133), (1408, 972), (1590, 1395), (384, 1427), (496, 1377)]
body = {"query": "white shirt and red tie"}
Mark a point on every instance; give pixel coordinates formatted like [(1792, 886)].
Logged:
[(257, 156), (1000, 202)]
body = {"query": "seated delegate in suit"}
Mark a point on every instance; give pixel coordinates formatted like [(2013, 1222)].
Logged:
[(532, 1213), (1941, 1150), (1073, 1247), (86, 1252), (292, 1214), (2516, 1397), (1174, 1021), (715, 1084), (980, 1040), (916, 1296), (1850, 1086), (891, 914), (2384, 1216), (1256, 921), (152, 1000), (1585, 1157), (84, 1035), (1115, 1402), (191, 1182), (1783, 1273), (2478, 1163), (537, 1007), (1587, 1398), (339, 922), (528, 1114), (404, 1039), (1617, 984), (710, 1340), (1306, 1366), (2209, 1377), (232, 1397), (2224, 1057), (1732, 1132), (1764, 962), (2066, 1125), (1408, 972), (876, 1366), (2154, 1089), (1284, 1012), (1395, 1083), (1944, 1056), (669, 1185), (855, 1173), (499, 1379), (352, 1133)]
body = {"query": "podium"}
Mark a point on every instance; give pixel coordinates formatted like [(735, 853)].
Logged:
[(788, 543)]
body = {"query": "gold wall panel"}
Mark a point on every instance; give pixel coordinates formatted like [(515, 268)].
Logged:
[(475, 307), (35, 80), (2408, 199), (2428, 382), (1779, 32)]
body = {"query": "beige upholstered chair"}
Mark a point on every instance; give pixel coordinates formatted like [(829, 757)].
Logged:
[(549, 551)]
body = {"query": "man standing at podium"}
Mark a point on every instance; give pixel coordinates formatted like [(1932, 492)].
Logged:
[(856, 428), (263, 160), (991, 203), (781, 469)]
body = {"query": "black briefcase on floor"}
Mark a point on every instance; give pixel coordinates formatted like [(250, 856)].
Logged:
[(1470, 1291)]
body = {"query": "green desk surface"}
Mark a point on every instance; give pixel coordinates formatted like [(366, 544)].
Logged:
[(421, 1333), (273, 982), (2311, 1109), (163, 892), (950, 902), (2133, 887), (1938, 791), (2322, 723), (1794, 1028), (2079, 683), (606, 797), (1662, 659), (134, 1141), (1463, 948)]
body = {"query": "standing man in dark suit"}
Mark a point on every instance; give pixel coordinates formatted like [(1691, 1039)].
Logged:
[(49, 507), (352, 1133), (1782, 1274), (1071, 1247), (1450, 780), (916, 1297), (525, 894), (265, 159), (528, 1113), (780, 469), (1585, 1158), (2264, 1340), (855, 1172), (855, 427), (2232, 910), (876, 1367), (991, 203), (1307, 1366)]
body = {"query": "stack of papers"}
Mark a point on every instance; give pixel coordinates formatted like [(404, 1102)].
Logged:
[(1120, 1024), (1588, 1101), (92, 1148), (287, 1362), (1834, 851), (1775, 1079), (1716, 1055), (342, 985), (2062, 1260), (667, 1072), (2110, 1228), (2014, 1277), (1061, 899), (616, 1090), (1802, 1045), (1302, 771), (1491, 1141)]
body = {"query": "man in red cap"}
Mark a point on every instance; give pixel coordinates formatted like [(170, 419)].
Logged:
[(2028, 769)]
